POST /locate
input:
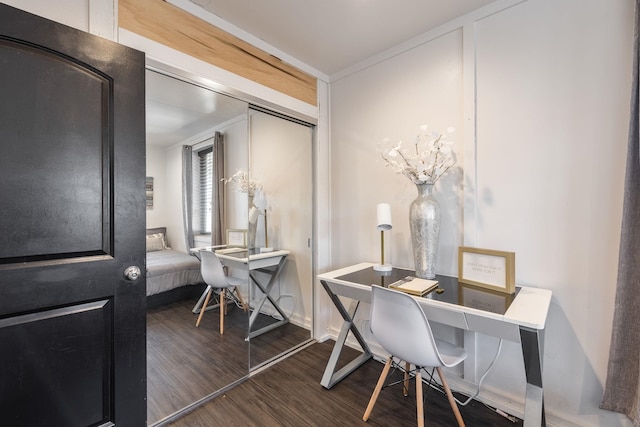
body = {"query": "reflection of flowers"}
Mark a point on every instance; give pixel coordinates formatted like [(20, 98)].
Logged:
[(244, 184), (425, 161)]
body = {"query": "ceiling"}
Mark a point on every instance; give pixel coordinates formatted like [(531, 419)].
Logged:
[(331, 35), (327, 35), (177, 111)]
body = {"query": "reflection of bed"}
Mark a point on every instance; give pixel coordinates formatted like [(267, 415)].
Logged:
[(169, 272)]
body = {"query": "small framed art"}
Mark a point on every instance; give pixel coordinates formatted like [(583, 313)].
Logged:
[(487, 268), (236, 238), (149, 189)]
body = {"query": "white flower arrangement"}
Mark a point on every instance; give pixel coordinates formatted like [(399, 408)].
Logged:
[(423, 162), (243, 183)]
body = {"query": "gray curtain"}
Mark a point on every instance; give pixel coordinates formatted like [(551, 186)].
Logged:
[(217, 196), (187, 195), (622, 388)]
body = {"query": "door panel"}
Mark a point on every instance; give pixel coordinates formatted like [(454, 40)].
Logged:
[(61, 175), (42, 348), (72, 219)]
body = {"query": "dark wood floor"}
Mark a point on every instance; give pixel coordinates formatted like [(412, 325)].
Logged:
[(289, 394), (185, 363)]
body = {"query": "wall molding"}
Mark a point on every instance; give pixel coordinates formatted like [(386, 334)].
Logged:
[(427, 37)]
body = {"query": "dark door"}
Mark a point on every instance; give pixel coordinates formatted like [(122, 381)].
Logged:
[(72, 219)]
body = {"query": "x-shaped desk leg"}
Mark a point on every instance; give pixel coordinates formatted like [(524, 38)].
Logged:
[(266, 296), (331, 377)]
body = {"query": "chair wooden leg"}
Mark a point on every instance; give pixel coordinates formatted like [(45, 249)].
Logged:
[(376, 391), (206, 302), (223, 308), (419, 399), (405, 384), (452, 401)]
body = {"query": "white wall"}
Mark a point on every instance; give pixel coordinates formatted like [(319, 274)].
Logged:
[(73, 13), (235, 133), (539, 91), (393, 99), (173, 205), (236, 158), (157, 169), (281, 161), (94, 16)]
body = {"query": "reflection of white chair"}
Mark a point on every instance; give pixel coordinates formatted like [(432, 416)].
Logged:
[(213, 275), (399, 324)]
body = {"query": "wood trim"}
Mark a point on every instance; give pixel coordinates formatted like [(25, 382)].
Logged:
[(167, 24)]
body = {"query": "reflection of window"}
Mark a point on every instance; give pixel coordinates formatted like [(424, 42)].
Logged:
[(203, 190)]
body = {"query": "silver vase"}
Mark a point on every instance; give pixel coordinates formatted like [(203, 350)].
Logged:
[(424, 220), (252, 228)]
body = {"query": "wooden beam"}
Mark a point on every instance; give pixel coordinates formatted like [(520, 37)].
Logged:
[(167, 24)]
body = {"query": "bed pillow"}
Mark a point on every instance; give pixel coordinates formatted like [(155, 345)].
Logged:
[(155, 242)]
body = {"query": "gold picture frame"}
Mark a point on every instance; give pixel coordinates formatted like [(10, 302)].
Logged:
[(487, 268), (236, 238)]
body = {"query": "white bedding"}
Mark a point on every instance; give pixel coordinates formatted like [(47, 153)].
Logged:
[(169, 269)]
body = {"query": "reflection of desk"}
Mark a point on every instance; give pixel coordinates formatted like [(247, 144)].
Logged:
[(521, 320), (270, 263)]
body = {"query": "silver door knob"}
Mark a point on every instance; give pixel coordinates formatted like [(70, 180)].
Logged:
[(132, 272)]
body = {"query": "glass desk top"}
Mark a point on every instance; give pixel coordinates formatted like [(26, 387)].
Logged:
[(449, 289), (241, 252), (252, 253)]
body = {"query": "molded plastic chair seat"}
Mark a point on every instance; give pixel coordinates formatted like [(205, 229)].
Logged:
[(213, 274), (451, 354), (399, 324)]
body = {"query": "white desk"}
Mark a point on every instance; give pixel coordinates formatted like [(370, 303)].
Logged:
[(268, 262), (520, 318)]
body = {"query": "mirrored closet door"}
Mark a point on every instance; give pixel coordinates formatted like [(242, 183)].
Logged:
[(281, 272), (247, 173), (194, 137)]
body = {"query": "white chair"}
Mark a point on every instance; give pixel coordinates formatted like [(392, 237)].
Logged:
[(213, 275), (399, 324)]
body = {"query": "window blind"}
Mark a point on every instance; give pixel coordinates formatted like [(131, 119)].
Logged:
[(204, 191)]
